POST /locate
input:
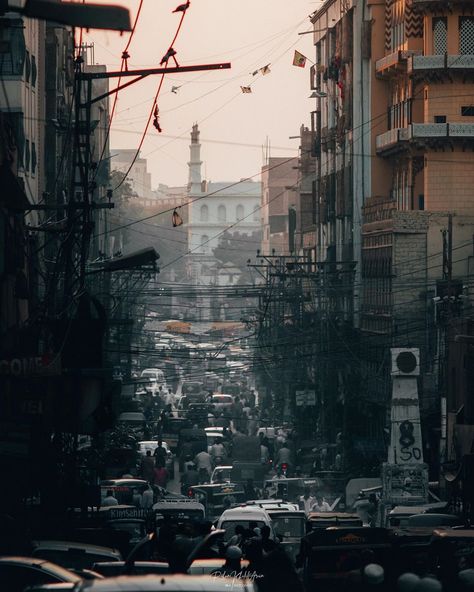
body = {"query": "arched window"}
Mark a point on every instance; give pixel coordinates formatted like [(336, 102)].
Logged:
[(204, 214), (239, 212), (221, 214), (204, 243), (256, 214)]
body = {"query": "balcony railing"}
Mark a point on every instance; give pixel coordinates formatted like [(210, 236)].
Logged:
[(397, 138), (436, 63), (436, 4)]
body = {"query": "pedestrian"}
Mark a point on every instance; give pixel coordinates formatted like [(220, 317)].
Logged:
[(218, 452), (161, 476), (232, 565), (372, 510), (320, 505), (137, 498), (407, 582), (160, 453), (373, 577), (307, 501), (147, 498), (147, 466), (250, 491), (189, 478), (284, 456), (264, 453), (109, 499), (237, 538), (203, 464)]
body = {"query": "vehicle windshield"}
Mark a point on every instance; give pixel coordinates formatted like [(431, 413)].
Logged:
[(229, 526), (289, 526), (135, 529), (222, 399)]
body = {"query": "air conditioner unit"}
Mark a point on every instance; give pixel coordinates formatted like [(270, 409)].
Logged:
[(405, 361)]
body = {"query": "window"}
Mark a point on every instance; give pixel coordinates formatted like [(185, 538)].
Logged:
[(221, 214), (204, 214), (466, 35), (34, 158), (239, 212), (440, 118), (12, 46), (256, 213), (34, 71), (440, 35), (27, 66), (467, 111)]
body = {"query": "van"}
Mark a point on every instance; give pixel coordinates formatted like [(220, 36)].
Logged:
[(244, 516)]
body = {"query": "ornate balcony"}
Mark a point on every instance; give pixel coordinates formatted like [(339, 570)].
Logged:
[(423, 134), (392, 64), (438, 66), (437, 5)]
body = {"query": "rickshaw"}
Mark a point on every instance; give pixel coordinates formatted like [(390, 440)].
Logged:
[(178, 510), (331, 555), (322, 520), (411, 550), (217, 497), (451, 551)]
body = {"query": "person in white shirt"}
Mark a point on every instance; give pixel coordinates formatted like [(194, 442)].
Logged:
[(307, 500), (203, 463), (147, 498), (321, 505), (218, 450), (109, 500)]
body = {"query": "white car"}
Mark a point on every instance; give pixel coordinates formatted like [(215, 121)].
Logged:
[(244, 516)]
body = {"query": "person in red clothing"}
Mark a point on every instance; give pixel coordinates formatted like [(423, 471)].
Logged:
[(160, 475)]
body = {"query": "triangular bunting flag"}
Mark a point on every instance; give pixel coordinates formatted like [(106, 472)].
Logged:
[(246, 89), (255, 72), (265, 70), (299, 60), (177, 220)]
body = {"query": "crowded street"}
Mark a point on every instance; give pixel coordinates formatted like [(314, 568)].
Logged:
[(236, 296)]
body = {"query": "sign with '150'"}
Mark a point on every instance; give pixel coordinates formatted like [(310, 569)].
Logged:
[(409, 445)]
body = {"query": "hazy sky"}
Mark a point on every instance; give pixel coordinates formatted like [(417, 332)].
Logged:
[(247, 33)]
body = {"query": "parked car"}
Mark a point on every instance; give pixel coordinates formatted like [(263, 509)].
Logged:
[(18, 573)]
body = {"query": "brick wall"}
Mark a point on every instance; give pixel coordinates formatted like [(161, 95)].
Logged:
[(449, 181), (447, 99)]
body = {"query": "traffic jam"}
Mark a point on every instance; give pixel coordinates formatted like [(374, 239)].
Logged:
[(199, 489)]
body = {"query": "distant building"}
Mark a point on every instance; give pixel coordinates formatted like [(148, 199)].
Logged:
[(279, 183), (138, 177), (215, 210)]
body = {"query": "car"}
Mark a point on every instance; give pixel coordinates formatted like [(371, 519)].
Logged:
[(165, 583), (122, 488), (154, 375), (244, 516), (206, 566), (221, 474), (111, 569), (152, 445), (18, 573), (73, 555), (222, 401)]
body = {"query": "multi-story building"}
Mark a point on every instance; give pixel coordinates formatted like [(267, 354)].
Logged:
[(422, 134), (139, 178), (279, 186)]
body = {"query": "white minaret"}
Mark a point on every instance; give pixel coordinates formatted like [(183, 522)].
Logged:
[(195, 162)]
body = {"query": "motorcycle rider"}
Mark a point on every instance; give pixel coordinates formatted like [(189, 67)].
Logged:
[(284, 456)]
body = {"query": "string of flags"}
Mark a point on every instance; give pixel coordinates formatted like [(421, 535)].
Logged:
[(299, 59)]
